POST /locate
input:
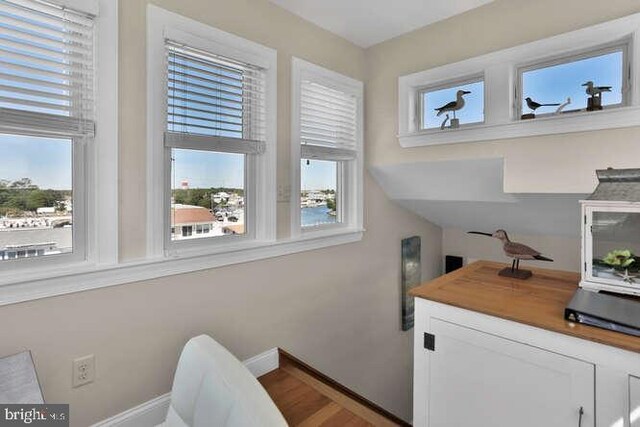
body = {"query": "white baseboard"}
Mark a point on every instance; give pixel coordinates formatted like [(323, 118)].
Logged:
[(263, 363), (153, 412)]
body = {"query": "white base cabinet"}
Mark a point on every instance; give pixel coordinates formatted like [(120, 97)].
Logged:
[(476, 370)]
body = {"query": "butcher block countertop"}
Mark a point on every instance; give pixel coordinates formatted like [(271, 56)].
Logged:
[(538, 301)]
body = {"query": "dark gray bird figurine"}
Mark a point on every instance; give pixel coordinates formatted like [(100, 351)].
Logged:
[(517, 251), (595, 90), (533, 105), (453, 105)]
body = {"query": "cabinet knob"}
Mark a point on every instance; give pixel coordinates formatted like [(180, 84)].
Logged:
[(580, 414)]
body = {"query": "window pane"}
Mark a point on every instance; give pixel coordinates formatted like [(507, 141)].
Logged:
[(318, 202), (472, 112), (553, 85), (36, 208), (616, 245), (207, 194)]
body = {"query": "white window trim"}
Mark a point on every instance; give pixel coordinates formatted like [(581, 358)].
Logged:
[(449, 84), (261, 170), (106, 270), (351, 194), (501, 71), (67, 280), (95, 240), (623, 46)]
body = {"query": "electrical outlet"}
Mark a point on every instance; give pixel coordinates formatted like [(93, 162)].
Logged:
[(84, 370)]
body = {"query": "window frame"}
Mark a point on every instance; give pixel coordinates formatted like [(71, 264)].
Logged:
[(349, 185), (624, 46), (94, 165), (260, 170), (499, 68), (447, 84)]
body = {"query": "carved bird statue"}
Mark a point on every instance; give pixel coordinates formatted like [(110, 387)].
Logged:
[(517, 251), (533, 105), (595, 90), (453, 106)]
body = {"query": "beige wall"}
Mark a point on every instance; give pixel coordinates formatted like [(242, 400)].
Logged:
[(565, 251), (337, 308), (558, 163), (555, 164)]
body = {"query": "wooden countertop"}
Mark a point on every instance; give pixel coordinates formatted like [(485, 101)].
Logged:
[(538, 301)]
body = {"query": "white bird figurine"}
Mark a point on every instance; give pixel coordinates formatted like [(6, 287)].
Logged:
[(595, 90), (453, 105)]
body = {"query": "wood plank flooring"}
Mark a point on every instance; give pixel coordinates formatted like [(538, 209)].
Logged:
[(309, 402)]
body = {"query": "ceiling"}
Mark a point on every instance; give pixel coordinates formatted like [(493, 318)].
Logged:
[(368, 22)]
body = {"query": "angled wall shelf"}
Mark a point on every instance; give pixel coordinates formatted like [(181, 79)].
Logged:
[(502, 80)]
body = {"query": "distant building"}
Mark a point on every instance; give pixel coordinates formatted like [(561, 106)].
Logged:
[(189, 220), (46, 210), (28, 250), (233, 229), (221, 197), (184, 184)]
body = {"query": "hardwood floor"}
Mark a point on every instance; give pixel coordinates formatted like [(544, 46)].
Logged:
[(307, 401)]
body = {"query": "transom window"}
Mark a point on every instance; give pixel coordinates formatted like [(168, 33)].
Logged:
[(561, 86), (215, 129), (461, 100), (46, 122)]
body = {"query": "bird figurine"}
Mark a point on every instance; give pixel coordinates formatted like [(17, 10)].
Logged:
[(533, 105), (454, 106), (517, 251), (444, 122), (595, 90), (563, 105)]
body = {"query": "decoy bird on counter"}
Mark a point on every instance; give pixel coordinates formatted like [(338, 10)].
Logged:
[(517, 251), (453, 106), (533, 105), (595, 90)]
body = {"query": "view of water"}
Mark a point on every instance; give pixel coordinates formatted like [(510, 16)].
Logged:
[(316, 216)]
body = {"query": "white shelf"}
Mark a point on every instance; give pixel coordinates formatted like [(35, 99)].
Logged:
[(549, 125)]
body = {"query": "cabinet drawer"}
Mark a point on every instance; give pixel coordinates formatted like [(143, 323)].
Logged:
[(479, 379)]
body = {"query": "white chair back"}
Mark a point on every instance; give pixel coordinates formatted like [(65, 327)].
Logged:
[(213, 388)]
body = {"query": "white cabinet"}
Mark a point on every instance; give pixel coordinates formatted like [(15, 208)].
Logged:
[(484, 371), (634, 401), (478, 379)]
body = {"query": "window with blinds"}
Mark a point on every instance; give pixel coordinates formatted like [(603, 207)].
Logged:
[(328, 123), (214, 103), (46, 69), (46, 112), (327, 126), (216, 117)]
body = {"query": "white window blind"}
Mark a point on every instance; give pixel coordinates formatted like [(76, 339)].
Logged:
[(46, 69), (214, 103), (328, 123)]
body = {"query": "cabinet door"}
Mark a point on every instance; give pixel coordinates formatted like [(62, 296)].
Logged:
[(481, 380), (634, 401)]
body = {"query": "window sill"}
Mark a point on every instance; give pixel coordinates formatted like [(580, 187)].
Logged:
[(81, 277), (549, 125)]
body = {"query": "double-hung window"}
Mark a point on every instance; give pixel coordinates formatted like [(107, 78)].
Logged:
[(212, 138), (327, 150), (46, 124)]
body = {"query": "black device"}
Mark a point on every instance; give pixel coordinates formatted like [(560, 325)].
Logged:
[(604, 311), (452, 263)]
